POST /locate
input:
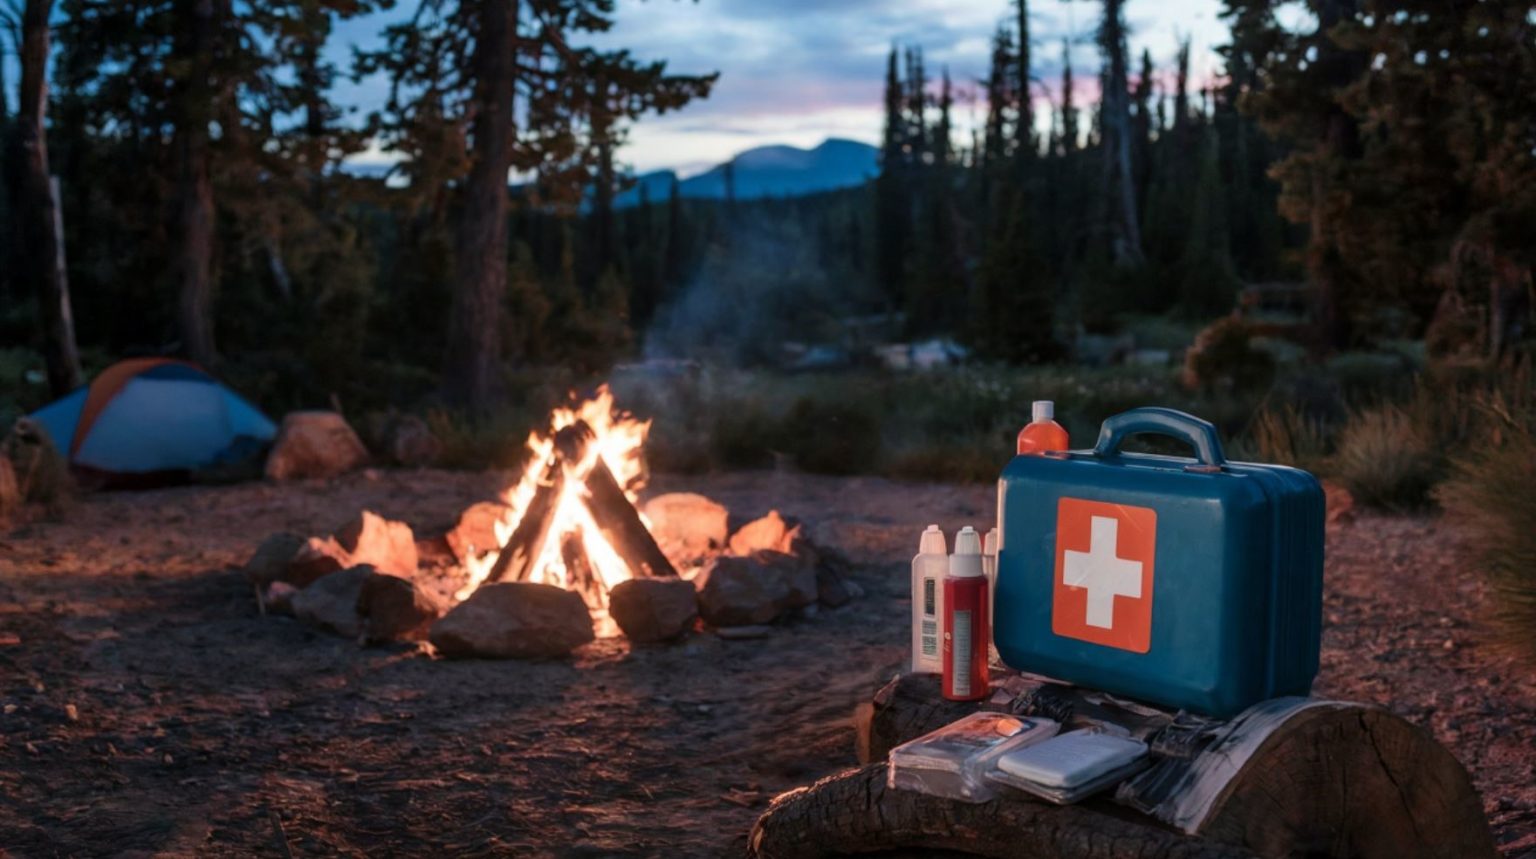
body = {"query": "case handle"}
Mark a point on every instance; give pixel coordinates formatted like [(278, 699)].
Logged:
[(1197, 433)]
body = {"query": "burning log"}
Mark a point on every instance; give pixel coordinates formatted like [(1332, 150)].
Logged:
[(523, 549), (574, 459)]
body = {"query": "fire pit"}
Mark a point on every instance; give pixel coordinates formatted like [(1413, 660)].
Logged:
[(565, 554)]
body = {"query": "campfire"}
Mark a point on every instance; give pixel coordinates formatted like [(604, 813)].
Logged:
[(567, 553), (571, 519)]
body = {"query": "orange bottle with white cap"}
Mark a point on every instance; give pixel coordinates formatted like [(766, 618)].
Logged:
[(1043, 433)]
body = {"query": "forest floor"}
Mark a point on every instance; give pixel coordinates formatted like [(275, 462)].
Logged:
[(149, 710)]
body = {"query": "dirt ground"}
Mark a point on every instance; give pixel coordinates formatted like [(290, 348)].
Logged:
[(149, 710)]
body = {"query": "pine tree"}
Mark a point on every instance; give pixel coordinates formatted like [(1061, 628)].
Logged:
[(1069, 114), (892, 206), (511, 51), (1119, 183), (1025, 143)]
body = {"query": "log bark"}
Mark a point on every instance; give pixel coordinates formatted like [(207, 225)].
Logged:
[(526, 544), (855, 813), (1344, 780), (611, 509)]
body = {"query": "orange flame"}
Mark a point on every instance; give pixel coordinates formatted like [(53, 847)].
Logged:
[(618, 438)]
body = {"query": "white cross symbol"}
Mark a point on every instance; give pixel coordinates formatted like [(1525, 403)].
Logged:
[(1102, 573)]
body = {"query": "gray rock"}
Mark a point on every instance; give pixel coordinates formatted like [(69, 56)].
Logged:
[(270, 562), (517, 620), (653, 609), (314, 445), (743, 591), (316, 558), (330, 603), (395, 609)]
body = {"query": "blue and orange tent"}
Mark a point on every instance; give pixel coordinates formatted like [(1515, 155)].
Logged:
[(151, 420)]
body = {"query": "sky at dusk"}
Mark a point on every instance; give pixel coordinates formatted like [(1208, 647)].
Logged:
[(799, 71)]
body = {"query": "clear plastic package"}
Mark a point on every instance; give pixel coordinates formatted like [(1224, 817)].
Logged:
[(1070, 767), (951, 762)]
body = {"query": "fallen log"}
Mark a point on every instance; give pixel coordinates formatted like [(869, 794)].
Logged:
[(856, 813), (1299, 777)]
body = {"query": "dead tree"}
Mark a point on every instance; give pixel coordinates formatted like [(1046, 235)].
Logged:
[(42, 227)]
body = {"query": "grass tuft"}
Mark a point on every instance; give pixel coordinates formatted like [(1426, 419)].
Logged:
[(1384, 460)]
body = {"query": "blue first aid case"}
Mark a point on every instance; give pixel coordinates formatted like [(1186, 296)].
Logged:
[(1191, 583)]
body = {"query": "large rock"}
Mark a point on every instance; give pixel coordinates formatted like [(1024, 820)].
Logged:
[(316, 558), (770, 533), (271, 560), (314, 444), (743, 591), (653, 609), (395, 609), (475, 532), (331, 602), (372, 539), (402, 439), (687, 526), (516, 620)]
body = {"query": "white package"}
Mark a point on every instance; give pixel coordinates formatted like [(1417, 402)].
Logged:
[(951, 761), (1069, 767)]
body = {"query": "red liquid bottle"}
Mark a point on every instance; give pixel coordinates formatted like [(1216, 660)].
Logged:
[(1043, 433), (967, 625)]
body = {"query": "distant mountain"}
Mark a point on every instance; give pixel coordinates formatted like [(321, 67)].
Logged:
[(769, 171)]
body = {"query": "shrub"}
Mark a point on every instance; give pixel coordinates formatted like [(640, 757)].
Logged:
[(1489, 494), (1384, 460), (1283, 434)]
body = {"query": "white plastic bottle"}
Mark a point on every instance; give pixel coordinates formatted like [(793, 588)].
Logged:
[(929, 568)]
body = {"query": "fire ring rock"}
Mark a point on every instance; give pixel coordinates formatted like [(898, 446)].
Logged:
[(687, 525), (755, 589), (371, 539), (653, 609), (331, 602), (314, 444), (395, 609), (514, 620)]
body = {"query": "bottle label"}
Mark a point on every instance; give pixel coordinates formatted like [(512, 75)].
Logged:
[(930, 617), (960, 653)]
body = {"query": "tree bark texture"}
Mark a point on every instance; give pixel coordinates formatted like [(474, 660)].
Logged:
[(42, 232), (472, 365), (194, 185)]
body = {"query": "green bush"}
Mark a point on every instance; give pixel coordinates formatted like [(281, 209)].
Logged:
[(1490, 495), (833, 436), (1384, 460)]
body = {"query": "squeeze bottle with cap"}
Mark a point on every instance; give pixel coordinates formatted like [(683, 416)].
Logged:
[(928, 569), (967, 628), (1043, 433)]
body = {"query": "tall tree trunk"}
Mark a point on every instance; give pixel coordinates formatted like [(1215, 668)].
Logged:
[(194, 187), (1119, 181), (1024, 133), (471, 372), (1339, 146), (39, 206)]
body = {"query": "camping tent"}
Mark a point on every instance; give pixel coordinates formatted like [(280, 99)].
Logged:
[(150, 419)]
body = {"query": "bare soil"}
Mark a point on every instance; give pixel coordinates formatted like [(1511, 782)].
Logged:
[(147, 709)]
